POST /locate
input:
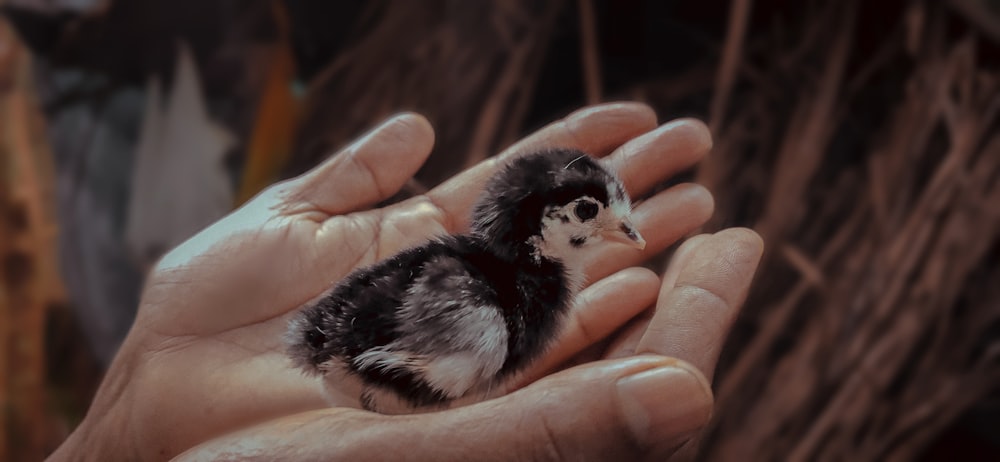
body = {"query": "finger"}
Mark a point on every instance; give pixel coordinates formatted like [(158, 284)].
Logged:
[(372, 169), (681, 257), (627, 340), (660, 154), (694, 315), (642, 408), (597, 130), (598, 311), (662, 220)]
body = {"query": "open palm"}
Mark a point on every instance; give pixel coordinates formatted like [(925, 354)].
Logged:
[(206, 355)]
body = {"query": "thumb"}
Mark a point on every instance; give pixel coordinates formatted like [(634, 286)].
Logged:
[(630, 409), (637, 408)]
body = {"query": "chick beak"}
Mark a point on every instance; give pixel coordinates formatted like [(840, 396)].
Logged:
[(625, 233)]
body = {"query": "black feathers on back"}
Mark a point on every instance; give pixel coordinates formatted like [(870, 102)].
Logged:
[(510, 210)]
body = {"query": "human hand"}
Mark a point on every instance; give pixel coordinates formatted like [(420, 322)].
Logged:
[(205, 355), (638, 404)]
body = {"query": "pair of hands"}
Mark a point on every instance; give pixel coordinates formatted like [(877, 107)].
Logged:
[(204, 370)]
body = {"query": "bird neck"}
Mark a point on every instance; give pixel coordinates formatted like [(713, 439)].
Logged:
[(569, 258), (535, 251)]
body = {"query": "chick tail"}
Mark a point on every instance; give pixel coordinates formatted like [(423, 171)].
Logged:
[(308, 345)]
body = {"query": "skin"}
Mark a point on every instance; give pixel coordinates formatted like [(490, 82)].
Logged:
[(203, 369)]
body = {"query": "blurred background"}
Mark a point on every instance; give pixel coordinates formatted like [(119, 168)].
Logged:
[(860, 138)]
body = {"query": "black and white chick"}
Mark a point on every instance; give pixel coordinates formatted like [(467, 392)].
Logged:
[(461, 314)]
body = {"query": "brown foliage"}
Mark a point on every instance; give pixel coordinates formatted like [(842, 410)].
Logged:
[(874, 321), (469, 67), (29, 282)]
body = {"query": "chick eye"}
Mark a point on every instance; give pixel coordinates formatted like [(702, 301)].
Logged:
[(585, 210)]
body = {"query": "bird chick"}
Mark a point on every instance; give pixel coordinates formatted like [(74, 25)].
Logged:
[(461, 314)]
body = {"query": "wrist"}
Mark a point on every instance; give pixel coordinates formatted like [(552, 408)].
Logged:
[(100, 436), (104, 434)]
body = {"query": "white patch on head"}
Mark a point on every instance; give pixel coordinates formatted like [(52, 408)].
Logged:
[(561, 225), (620, 207)]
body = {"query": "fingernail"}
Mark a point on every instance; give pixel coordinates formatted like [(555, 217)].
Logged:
[(665, 406)]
